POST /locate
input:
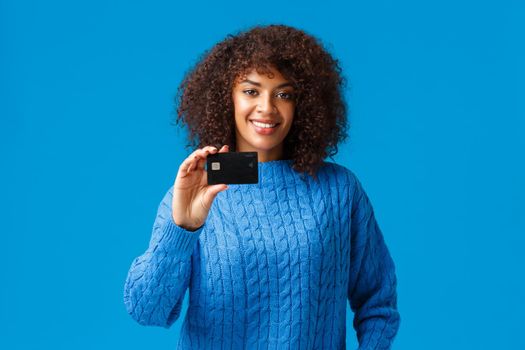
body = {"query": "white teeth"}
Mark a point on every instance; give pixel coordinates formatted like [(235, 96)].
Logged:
[(263, 125)]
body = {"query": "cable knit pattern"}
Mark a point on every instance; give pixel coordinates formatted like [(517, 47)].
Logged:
[(272, 267)]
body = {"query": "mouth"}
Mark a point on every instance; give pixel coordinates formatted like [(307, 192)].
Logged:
[(264, 128), (264, 124)]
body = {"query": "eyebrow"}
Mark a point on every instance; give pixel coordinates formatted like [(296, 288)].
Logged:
[(259, 84)]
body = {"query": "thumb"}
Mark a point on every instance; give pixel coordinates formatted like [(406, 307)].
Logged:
[(211, 192)]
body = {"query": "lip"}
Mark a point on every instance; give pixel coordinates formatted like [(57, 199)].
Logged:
[(264, 131), (265, 121)]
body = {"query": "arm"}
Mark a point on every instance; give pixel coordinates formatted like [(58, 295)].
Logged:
[(157, 280), (372, 282)]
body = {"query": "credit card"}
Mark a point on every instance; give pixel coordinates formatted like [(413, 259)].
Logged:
[(232, 168)]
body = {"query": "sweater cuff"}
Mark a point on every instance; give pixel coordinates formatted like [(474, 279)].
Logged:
[(178, 239)]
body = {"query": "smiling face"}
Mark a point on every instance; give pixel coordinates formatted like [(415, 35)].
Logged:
[(260, 99)]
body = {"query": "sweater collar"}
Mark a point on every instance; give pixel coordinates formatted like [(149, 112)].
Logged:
[(273, 173)]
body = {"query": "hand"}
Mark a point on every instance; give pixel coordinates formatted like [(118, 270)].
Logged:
[(192, 196)]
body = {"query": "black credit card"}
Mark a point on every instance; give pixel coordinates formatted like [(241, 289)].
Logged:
[(232, 168)]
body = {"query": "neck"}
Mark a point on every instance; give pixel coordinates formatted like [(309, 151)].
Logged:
[(264, 156), (267, 157)]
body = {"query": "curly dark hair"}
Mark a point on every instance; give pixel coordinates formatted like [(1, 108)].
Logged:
[(204, 97)]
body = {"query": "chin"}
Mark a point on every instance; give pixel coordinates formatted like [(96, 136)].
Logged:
[(262, 149)]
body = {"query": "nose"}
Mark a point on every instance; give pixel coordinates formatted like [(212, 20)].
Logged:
[(265, 105)]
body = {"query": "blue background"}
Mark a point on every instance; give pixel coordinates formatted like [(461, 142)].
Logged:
[(436, 100)]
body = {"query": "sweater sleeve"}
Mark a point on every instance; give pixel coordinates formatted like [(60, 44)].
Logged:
[(157, 280), (372, 281)]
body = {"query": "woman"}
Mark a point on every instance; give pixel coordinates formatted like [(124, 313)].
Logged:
[(268, 265)]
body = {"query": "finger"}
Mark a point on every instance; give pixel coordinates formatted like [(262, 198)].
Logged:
[(210, 194), (203, 154), (186, 165), (200, 165), (191, 161), (203, 161)]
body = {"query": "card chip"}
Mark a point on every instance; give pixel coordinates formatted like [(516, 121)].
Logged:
[(215, 166)]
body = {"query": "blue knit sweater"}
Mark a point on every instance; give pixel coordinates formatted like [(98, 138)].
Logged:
[(272, 267)]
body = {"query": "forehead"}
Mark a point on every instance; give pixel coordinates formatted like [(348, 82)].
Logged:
[(272, 77)]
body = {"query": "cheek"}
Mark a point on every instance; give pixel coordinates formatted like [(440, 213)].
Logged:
[(288, 112), (242, 106), (242, 109)]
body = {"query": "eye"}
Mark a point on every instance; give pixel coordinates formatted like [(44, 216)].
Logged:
[(286, 95), (249, 92)]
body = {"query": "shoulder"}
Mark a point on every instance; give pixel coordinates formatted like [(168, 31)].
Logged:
[(342, 174), (348, 184), (347, 178)]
